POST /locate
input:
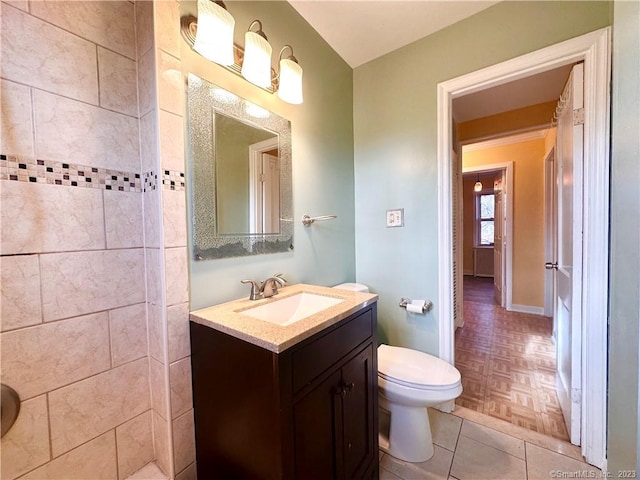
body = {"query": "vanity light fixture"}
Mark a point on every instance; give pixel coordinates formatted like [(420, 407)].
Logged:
[(256, 65), (211, 35), (214, 32), (290, 76)]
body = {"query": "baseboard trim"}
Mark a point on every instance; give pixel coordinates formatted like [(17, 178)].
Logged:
[(526, 309)]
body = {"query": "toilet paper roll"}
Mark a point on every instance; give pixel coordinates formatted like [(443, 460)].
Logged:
[(416, 306)]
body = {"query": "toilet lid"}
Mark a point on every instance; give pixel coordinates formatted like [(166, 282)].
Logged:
[(415, 369)]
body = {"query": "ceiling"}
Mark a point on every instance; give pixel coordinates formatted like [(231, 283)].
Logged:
[(541, 88), (363, 30)]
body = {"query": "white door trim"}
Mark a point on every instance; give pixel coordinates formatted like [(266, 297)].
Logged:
[(255, 188), (508, 231), (594, 49)]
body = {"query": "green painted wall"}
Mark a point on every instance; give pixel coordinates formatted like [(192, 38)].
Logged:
[(395, 146), (625, 237), (322, 157)]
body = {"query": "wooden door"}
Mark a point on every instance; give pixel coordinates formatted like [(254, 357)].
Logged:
[(569, 146)]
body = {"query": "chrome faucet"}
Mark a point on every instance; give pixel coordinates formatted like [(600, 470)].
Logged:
[(265, 289)]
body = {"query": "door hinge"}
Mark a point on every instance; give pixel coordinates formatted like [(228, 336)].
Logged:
[(263, 177), (578, 116)]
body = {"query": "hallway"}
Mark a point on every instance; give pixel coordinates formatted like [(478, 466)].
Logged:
[(507, 363)]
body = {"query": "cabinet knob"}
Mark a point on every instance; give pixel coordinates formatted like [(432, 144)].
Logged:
[(348, 386), (340, 392)]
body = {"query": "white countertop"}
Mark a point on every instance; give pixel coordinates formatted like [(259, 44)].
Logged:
[(226, 317)]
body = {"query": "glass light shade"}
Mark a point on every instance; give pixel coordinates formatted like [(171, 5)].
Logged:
[(290, 89), (256, 66), (478, 186), (214, 38)]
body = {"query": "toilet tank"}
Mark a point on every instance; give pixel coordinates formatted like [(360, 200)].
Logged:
[(354, 287)]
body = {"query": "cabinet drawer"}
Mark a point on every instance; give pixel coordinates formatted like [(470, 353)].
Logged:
[(315, 357)]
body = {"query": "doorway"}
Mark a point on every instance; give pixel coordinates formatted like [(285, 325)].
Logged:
[(506, 356), (592, 49)]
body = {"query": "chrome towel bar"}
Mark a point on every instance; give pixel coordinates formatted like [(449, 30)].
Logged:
[(307, 220)]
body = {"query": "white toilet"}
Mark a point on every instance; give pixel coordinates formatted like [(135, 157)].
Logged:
[(409, 381)]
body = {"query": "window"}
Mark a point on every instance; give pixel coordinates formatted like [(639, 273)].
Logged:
[(485, 208)]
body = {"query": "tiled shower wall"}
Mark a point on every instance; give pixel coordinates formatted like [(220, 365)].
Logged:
[(162, 155), (74, 327)]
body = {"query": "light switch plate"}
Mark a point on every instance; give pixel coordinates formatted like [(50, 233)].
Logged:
[(395, 218)]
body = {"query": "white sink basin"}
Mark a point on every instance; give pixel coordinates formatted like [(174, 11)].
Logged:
[(291, 309)]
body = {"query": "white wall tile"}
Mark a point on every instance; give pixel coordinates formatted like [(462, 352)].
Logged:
[(20, 300), (110, 24), (71, 131), (167, 26), (176, 275), (146, 83), (174, 215), (180, 381), (156, 337), (153, 276), (152, 218), (144, 26), (149, 158), (21, 4), (90, 407), (161, 443), (16, 134), (178, 331), (171, 141), (170, 84), (26, 445), (95, 460), (134, 440), (50, 218), (38, 359), (128, 330), (184, 443), (118, 82), (123, 219), (158, 384), (84, 282), (43, 56)]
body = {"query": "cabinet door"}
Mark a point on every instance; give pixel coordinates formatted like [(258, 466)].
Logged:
[(359, 379), (316, 418)]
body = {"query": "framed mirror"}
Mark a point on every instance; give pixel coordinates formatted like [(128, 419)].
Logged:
[(239, 160)]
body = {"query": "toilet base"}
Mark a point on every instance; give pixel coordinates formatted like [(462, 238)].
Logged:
[(409, 432)]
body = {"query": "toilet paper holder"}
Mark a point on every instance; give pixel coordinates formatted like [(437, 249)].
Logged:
[(428, 304)]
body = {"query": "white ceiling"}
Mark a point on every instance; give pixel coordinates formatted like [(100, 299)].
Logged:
[(540, 88), (362, 30)]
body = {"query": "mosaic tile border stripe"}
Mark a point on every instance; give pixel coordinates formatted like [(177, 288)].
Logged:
[(149, 181), (28, 169), (173, 180)]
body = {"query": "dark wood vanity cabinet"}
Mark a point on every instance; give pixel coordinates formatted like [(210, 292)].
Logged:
[(310, 412)]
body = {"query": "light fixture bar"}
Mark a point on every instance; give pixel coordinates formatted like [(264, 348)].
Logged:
[(188, 29)]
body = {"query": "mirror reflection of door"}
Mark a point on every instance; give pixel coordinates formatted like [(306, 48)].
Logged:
[(264, 187), (241, 205)]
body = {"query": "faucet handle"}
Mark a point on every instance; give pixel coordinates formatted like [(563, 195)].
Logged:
[(281, 280), (256, 288)]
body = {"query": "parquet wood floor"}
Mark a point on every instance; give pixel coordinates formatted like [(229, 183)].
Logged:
[(507, 362)]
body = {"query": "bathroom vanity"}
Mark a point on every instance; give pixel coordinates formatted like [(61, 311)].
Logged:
[(293, 401)]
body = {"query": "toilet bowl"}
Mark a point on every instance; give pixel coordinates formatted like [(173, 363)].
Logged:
[(409, 382)]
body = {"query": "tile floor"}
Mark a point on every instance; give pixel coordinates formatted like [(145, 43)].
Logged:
[(507, 362), (467, 450)]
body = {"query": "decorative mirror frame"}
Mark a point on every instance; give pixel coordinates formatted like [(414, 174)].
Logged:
[(207, 242)]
